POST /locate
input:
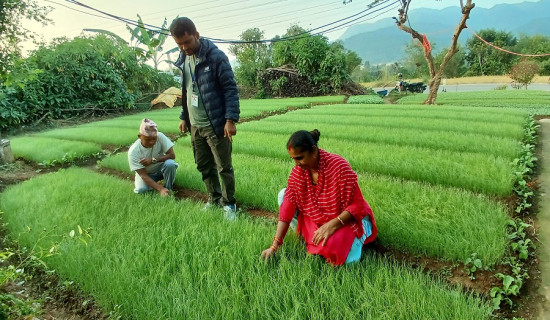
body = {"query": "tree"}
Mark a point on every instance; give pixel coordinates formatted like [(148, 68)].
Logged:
[(352, 58), (153, 41), (524, 72), (326, 65), (536, 44), (252, 58), (435, 72), (12, 14), (485, 60), (282, 50), (415, 64), (456, 67), (76, 78)]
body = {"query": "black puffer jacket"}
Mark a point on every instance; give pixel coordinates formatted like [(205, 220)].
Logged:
[(217, 86)]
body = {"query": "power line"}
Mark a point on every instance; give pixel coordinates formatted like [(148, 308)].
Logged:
[(159, 30), (508, 51)]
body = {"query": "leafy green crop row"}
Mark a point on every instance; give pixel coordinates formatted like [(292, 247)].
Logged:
[(472, 122), (366, 99), (152, 257), (492, 115)]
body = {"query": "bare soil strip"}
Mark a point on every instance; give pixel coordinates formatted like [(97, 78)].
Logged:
[(544, 219)]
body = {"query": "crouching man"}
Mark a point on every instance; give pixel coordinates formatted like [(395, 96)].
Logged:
[(152, 158)]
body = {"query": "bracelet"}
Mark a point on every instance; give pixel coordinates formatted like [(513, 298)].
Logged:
[(342, 222), (274, 248), (279, 241)]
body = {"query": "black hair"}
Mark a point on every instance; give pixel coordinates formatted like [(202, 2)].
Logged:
[(181, 26), (303, 140)]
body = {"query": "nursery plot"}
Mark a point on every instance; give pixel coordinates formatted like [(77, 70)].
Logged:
[(253, 173), (411, 110), (105, 136), (488, 124), (366, 99), (444, 140), (478, 172), (508, 130), (413, 215), (151, 256), (255, 107), (536, 102), (43, 149), (122, 131), (167, 126)]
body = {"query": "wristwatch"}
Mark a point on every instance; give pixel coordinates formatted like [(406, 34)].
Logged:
[(154, 160)]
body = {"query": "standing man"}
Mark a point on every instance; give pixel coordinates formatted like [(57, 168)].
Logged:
[(209, 112), (152, 158)]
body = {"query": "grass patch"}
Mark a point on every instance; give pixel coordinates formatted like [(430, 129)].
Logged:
[(105, 136), (441, 222), (438, 140), (254, 107), (534, 102), (152, 257), (44, 149), (473, 171), (366, 99), (122, 131)]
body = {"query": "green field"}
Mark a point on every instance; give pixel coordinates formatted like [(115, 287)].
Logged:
[(535, 102), (437, 178), (445, 199), (160, 258), (122, 131)]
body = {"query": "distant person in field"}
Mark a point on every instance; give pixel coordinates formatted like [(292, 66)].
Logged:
[(210, 110), (323, 195), (152, 158)]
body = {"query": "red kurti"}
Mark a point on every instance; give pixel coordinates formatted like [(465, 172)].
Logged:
[(336, 191)]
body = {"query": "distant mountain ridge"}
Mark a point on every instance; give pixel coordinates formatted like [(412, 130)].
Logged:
[(382, 42)]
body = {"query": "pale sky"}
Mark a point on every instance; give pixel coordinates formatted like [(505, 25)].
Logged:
[(222, 19)]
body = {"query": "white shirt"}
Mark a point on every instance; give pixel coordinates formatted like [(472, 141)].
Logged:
[(137, 152)]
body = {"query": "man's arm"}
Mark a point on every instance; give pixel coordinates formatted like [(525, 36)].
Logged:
[(149, 161), (152, 183), (226, 79)]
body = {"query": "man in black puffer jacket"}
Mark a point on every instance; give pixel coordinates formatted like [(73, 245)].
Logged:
[(210, 109)]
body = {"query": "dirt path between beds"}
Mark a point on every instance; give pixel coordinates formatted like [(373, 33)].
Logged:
[(544, 219)]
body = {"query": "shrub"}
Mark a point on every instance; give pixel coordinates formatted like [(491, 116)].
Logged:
[(524, 72), (76, 78), (365, 99)]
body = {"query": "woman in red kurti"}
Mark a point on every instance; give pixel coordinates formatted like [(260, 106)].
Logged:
[(333, 217)]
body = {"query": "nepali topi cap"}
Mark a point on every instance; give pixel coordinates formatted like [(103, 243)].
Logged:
[(148, 128)]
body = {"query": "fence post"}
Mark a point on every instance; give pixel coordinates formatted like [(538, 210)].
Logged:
[(6, 156)]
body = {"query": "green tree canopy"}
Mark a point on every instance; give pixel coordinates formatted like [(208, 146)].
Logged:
[(12, 32), (524, 72), (486, 60), (328, 66), (536, 44), (75, 78), (252, 58), (456, 67)]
